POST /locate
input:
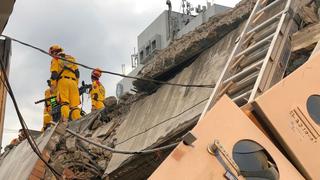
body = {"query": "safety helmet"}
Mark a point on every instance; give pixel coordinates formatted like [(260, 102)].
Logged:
[(96, 73), (55, 49)]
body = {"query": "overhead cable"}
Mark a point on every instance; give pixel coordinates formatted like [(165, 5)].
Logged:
[(148, 151), (109, 72), (164, 121), (30, 139)]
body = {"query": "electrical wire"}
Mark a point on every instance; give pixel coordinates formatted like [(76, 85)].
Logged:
[(24, 124), (148, 151), (135, 152), (29, 138), (33, 144), (158, 124), (109, 72)]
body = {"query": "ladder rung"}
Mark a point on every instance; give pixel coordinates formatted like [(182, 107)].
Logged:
[(248, 39), (253, 58), (266, 23), (243, 84), (238, 61), (263, 2), (265, 33), (255, 46), (242, 96), (244, 72), (225, 88), (269, 6), (258, 16)]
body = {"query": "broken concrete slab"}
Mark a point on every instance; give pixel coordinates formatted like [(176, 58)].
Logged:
[(103, 131), (306, 39), (19, 163), (83, 122), (193, 43), (174, 105)]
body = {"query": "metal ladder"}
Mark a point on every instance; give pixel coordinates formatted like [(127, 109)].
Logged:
[(260, 56)]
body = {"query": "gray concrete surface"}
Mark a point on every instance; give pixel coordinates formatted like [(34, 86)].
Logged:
[(19, 163), (169, 101)]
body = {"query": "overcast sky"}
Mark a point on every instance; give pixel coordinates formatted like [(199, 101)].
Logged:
[(99, 33)]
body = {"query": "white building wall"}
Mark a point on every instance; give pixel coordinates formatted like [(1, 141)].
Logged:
[(159, 29), (125, 85), (202, 18), (192, 25)]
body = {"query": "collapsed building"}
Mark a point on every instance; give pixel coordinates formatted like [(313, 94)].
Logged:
[(157, 114)]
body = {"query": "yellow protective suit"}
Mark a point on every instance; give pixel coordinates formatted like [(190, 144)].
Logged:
[(56, 67), (47, 118), (97, 95), (67, 87)]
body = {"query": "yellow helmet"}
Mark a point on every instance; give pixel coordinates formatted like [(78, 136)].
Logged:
[(54, 49)]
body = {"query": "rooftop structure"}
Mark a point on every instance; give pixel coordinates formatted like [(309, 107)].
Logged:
[(159, 34)]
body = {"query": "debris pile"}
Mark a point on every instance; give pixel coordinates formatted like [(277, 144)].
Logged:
[(81, 160), (155, 119)]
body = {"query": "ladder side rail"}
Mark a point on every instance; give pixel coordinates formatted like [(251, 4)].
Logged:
[(277, 70), (231, 57), (267, 58)]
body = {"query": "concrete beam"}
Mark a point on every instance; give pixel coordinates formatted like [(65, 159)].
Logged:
[(306, 39)]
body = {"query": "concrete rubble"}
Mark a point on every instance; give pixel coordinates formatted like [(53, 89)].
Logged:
[(143, 120), (81, 160), (118, 116)]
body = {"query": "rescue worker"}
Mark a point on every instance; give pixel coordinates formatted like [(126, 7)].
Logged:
[(66, 75), (97, 92), (56, 51), (47, 117)]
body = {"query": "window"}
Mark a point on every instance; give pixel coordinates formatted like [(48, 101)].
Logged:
[(254, 161), (313, 105), (148, 51), (141, 55), (154, 45)]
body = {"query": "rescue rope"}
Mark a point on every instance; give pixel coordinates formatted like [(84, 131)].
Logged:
[(109, 72)]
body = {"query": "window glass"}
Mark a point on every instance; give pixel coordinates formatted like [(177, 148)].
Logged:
[(141, 55), (154, 44), (148, 51)]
